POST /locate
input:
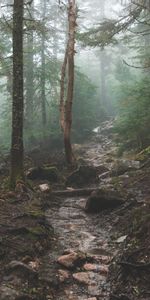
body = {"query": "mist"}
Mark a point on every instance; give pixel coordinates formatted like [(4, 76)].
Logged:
[(106, 59)]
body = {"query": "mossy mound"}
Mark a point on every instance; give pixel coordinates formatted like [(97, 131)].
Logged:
[(43, 173)]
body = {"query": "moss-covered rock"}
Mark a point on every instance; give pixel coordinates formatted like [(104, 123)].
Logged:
[(82, 176), (43, 173)]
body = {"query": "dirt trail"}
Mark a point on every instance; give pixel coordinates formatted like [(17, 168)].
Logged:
[(78, 231), (79, 261)]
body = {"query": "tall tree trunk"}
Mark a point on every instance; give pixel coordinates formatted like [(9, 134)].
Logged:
[(43, 71), (62, 91), (17, 171), (66, 108), (103, 96), (103, 78), (30, 75)]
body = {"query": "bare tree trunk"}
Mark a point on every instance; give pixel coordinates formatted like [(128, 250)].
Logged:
[(103, 94), (17, 171), (66, 109), (43, 72), (103, 78), (62, 91), (30, 75)]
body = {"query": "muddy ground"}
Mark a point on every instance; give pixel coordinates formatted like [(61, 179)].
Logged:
[(111, 248)]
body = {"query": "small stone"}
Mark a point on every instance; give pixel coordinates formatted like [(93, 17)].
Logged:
[(97, 268), (82, 277), (104, 259), (68, 260), (44, 187), (90, 267), (88, 278), (121, 239), (63, 275)]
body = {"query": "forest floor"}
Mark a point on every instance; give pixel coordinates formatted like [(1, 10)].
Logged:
[(51, 248)]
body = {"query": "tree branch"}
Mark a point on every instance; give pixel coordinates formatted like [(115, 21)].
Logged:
[(136, 67)]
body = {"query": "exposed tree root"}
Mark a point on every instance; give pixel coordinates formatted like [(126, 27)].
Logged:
[(134, 265)]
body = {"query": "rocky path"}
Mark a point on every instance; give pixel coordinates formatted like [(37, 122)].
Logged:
[(85, 251), (79, 265)]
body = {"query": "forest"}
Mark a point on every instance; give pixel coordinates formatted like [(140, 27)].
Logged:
[(74, 149)]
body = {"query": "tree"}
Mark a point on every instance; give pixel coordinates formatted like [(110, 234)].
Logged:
[(43, 71), (103, 64), (17, 151), (29, 72), (66, 108)]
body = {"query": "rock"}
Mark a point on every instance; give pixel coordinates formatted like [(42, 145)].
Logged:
[(103, 259), (42, 173), (97, 268), (88, 278), (84, 175), (103, 199), (121, 239), (101, 169), (63, 275), (21, 269), (8, 293), (83, 277), (68, 260), (45, 188), (122, 166)]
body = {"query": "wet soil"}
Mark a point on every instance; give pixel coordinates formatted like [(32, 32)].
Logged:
[(101, 240)]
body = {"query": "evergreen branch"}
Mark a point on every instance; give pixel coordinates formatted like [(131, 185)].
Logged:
[(135, 67)]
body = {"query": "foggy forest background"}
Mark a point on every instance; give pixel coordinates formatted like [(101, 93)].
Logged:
[(112, 62)]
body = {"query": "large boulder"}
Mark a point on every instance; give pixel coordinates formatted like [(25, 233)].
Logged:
[(103, 199), (122, 166), (82, 176), (42, 173)]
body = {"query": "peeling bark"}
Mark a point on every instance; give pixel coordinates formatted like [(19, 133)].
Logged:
[(66, 108)]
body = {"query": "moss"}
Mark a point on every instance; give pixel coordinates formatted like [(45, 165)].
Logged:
[(144, 154), (43, 173), (36, 213), (39, 232)]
